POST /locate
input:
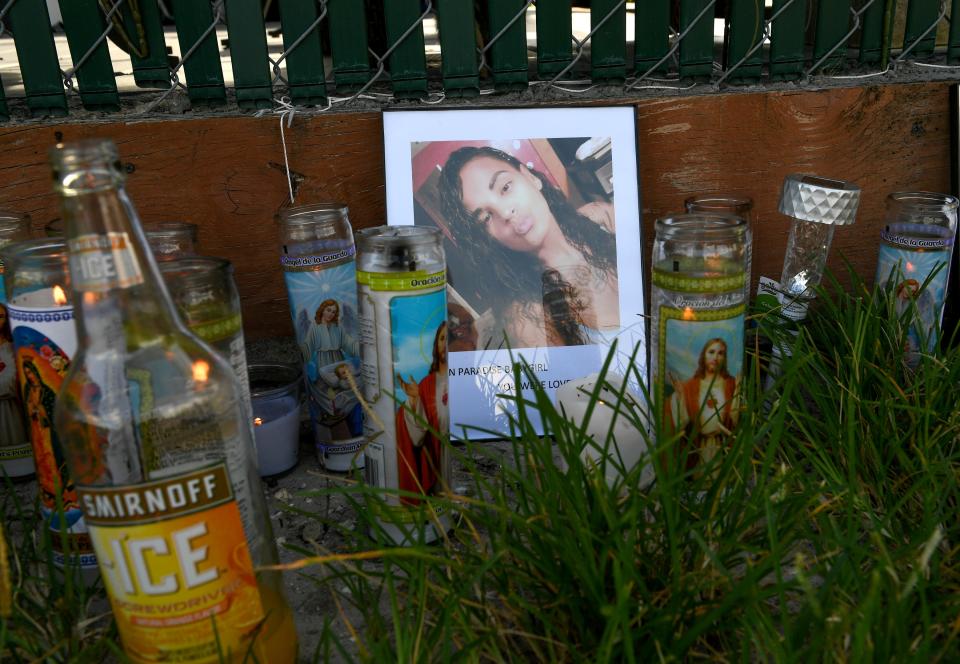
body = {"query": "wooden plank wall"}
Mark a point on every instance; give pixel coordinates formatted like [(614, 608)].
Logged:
[(226, 174)]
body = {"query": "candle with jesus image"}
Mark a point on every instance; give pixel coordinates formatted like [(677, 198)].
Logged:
[(45, 339), (403, 327), (699, 271)]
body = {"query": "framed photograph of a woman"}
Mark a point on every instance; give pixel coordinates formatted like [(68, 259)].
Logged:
[(540, 213)]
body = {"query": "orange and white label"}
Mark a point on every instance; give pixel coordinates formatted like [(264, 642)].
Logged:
[(174, 560), (103, 262)]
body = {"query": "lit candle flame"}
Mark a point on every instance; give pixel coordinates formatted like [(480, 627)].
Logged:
[(201, 371), (688, 314), (59, 297), (257, 421)]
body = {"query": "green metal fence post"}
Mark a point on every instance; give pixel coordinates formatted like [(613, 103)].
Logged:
[(248, 53), (508, 54), (142, 24), (408, 61), (84, 24), (744, 32), (204, 76), (871, 32), (4, 111), (458, 50), (696, 49), (37, 54), (305, 73), (787, 39), (608, 45), (953, 47), (920, 15), (554, 37), (833, 24), (651, 35), (348, 44)]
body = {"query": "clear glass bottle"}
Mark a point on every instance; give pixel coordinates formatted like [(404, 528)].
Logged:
[(698, 306), (916, 246), (158, 445)]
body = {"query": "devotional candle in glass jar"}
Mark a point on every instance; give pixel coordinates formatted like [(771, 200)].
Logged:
[(401, 277), (915, 249), (698, 303), (44, 337)]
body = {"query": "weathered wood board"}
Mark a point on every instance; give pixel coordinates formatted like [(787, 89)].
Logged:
[(227, 175)]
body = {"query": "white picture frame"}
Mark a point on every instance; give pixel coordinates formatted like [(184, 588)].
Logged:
[(592, 279)]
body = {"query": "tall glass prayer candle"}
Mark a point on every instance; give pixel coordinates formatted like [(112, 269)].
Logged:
[(738, 206), (698, 303), (401, 279), (16, 453), (170, 240), (915, 249), (318, 258), (206, 297), (45, 341)]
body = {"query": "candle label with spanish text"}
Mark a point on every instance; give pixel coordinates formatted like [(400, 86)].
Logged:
[(912, 255), (322, 290), (103, 262), (176, 565), (45, 340)]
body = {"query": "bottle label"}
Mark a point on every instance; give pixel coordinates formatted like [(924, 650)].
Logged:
[(174, 561), (322, 291), (404, 336), (103, 262)]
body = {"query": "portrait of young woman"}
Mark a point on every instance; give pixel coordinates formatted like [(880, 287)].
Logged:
[(540, 214), (531, 241)]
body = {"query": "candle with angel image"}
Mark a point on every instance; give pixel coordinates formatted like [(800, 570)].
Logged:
[(914, 261), (318, 260)]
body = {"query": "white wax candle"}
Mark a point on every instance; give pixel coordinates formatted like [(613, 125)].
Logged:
[(276, 428)]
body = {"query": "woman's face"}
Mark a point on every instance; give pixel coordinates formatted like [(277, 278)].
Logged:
[(32, 377), (329, 313), (715, 357), (507, 201), (442, 341)]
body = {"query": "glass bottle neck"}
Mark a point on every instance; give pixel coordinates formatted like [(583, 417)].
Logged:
[(110, 263)]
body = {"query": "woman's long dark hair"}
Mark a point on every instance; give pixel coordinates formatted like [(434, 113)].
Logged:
[(519, 276)]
